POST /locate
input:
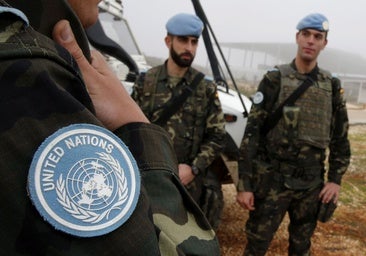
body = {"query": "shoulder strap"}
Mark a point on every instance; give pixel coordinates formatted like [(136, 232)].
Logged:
[(174, 104), (275, 116)]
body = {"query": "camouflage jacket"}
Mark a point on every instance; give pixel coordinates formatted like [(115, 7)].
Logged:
[(42, 90), (198, 127), (255, 145)]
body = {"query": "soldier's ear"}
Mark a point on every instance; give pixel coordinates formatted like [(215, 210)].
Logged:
[(325, 43), (168, 41)]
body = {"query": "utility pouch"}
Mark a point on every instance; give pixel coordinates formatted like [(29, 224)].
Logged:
[(326, 211), (262, 177), (291, 116)]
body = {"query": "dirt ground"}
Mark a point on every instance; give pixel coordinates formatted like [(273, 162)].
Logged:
[(343, 235)]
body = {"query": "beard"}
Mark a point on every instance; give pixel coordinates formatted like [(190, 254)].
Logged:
[(179, 60)]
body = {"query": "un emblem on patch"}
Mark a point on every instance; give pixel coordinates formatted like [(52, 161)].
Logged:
[(84, 181)]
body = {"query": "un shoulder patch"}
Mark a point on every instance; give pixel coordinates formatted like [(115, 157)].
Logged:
[(258, 97), (84, 181)]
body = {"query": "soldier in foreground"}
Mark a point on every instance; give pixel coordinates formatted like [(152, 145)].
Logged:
[(178, 98), (70, 186), (284, 147)]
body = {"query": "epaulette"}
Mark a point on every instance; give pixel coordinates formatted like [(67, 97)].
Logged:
[(273, 73), (325, 74), (141, 78), (274, 69), (209, 78)]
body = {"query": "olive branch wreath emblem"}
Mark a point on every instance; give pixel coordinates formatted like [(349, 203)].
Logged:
[(90, 216)]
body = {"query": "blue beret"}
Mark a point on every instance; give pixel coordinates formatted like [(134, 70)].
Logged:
[(184, 24), (314, 21)]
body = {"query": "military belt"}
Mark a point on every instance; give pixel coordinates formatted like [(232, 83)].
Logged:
[(297, 171)]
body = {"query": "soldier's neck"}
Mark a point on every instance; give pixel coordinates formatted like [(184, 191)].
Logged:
[(304, 67)]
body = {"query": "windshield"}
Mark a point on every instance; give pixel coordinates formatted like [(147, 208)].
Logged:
[(119, 31)]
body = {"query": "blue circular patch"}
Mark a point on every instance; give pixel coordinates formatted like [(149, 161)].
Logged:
[(84, 181), (258, 97)]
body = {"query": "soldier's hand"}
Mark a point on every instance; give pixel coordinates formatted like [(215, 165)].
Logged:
[(329, 192), (113, 105), (185, 174), (245, 200)]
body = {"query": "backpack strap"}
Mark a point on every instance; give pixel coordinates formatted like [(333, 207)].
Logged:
[(175, 103)]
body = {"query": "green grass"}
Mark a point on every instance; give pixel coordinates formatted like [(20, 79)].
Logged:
[(358, 149), (353, 190)]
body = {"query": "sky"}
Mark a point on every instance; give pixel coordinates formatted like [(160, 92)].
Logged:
[(250, 21)]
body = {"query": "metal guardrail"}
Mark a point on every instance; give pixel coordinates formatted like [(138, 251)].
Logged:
[(355, 90)]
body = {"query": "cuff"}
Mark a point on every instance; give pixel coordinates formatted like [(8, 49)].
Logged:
[(150, 145)]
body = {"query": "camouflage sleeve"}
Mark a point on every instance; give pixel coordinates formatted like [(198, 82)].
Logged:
[(263, 102), (339, 147), (181, 225), (137, 89), (213, 141), (42, 91)]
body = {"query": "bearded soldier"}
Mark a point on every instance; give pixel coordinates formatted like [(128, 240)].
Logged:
[(177, 97)]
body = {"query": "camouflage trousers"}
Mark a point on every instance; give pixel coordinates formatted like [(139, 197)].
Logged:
[(263, 222), (207, 193)]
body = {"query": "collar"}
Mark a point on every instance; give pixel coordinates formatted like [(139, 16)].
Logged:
[(163, 74), (313, 73)]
